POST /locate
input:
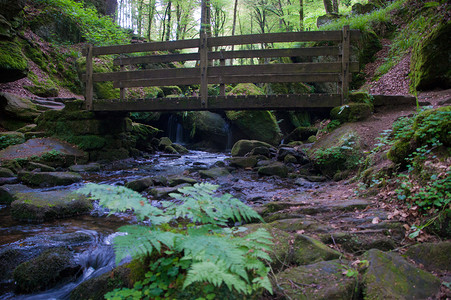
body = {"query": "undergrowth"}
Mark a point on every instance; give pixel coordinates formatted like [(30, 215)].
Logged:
[(190, 242)]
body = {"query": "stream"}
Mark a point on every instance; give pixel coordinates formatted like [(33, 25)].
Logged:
[(90, 236)]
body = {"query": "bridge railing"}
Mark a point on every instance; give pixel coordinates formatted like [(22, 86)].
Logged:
[(210, 63)]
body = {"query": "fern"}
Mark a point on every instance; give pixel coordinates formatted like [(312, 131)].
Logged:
[(214, 253)]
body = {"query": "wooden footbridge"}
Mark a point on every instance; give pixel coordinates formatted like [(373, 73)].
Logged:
[(323, 64)]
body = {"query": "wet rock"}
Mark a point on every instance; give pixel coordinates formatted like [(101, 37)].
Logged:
[(8, 192), (4, 172), (323, 280), (45, 271), (433, 256), (162, 192), (177, 180), (180, 149), (46, 179), (92, 167), (308, 250), (276, 168), (9, 259), (164, 142), (170, 150), (298, 153), (33, 166), (49, 151), (8, 180), (389, 276), (242, 162), (358, 242), (73, 239), (242, 147), (214, 173), (10, 138), (304, 183), (140, 184), (41, 206)]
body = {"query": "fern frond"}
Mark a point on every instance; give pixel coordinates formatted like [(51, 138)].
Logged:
[(120, 199), (216, 274), (264, 282), (141, 240)]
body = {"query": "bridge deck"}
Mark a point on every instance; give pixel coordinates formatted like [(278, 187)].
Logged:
[(264, 102)]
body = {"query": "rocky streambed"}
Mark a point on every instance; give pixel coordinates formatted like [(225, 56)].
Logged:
[(328, 243)]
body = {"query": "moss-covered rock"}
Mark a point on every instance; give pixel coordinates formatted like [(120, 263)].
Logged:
[(144, 135), (46, 179), (171, 90), (298, 153), (276, 168), (13, 64), (433, 121), (323, 280), (400, 150), (9, 191), (4, 172), (248, 89), (351, 112), (433, 256), (355, 243), (214, 173), (17, 108), (243, 147), (42, 206), (307, 250), (369, 45), (389, 276), (430, 63), (11, 138), (140, 184), (37, 167), (242, 162), (301, 134), (46, 270), (43, 90), (177, 180), (92, 167), (257, 125), (206, 126)]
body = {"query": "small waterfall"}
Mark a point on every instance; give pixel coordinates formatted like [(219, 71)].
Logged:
[(228, 131), (175, 129)]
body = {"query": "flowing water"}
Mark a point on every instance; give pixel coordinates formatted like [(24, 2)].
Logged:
[(90, 236)]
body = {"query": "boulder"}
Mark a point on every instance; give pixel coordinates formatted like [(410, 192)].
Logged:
[(256, 125), (144, 135), (300, 134), (4, 172), (41, 206), (298, 153), (243, 147), (207, 126), (214, 173), (162, 192), (53, 266), (361, 9), (49, 151), (140, 184), (351, 112), (322, 280), (13, 64), (46, 179), (242, 162), (307, 250), (389, 276), (355, 242), (433, 256), (276, 168), (9, 191), (10, 138), (326, 19), (430, 65), (260, 151), (290, 159)]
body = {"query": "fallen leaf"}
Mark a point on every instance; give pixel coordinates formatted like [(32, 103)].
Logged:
[(376, 220)]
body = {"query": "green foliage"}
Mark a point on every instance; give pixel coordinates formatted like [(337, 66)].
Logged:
[(97, 30), (197, 248)]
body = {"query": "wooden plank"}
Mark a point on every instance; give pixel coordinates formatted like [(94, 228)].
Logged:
[(221, 82), (88, 83), (273, 102), (265, 53), (270, 69), (146, 47), (122, 89), (314, 77), (345, 72)]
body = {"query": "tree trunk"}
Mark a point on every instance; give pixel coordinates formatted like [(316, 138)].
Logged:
[(168, 23), (301, 15), (328, 6), (150, 20), (335, 6)]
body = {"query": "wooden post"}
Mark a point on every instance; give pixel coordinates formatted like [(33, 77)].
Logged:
[(122, 90), (89, 88), (222, 63), (203, 52), (345, 64)]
